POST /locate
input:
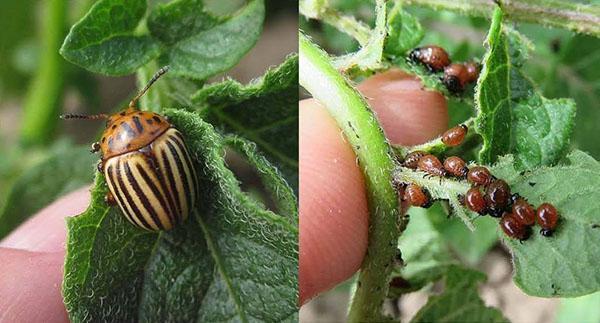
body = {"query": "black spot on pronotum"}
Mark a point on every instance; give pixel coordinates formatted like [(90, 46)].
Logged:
[(532, 184), (157, 119)]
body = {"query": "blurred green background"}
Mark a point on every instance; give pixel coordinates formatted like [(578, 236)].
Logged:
[(37, 85)]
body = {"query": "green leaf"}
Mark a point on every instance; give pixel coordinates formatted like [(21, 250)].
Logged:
[(424, 252), (564, 265), (470, 246), (460, 301), (583, 309), (575, 74), (103, 41), (66, 169), (264, 111), (232, 260), (404, 31), (178, 20), (207, 47), (512, 116)]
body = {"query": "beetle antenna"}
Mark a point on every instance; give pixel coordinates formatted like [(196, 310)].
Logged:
[(154, 78), (67, 116)]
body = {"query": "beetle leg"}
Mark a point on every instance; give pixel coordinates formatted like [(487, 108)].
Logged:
[(95, 147), (109, 198)]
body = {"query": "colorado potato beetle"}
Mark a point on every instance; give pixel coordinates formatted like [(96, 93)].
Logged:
[(417, 196), (513, 228), (455, 135), (456, 167), (147, 166), (431, 165), (434, 58), (547, 218)]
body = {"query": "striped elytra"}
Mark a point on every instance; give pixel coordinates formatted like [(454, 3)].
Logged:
[(155, 187), (148, 169)]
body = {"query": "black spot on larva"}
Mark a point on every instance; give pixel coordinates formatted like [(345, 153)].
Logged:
[(532, 184), (157, 119)]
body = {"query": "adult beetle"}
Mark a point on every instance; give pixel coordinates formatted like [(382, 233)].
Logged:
[(147, 166)]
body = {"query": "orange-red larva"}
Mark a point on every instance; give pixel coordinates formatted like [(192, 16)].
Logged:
[(431, 165), (412, 159), (547, 218), (523, 212), (474, 200), (455, 77), (497, 197), (472, 71), (455, 135), (434, 58), (456, 167), (417, 196), (479, 175), (512, 228)]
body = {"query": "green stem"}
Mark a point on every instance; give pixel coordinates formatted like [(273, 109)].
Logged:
[(353, 116), (42, 103), (347, 24), (554, 13)]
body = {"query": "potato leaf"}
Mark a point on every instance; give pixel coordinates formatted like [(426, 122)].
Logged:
[(424, 251), (404, 31), (205, 46), (564, 265), (104, 40), (460, 301), (513, 117), (264, 111), (232, 260)]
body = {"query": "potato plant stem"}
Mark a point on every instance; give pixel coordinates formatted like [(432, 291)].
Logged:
[(42, 103), (362, 131), (573, 16)]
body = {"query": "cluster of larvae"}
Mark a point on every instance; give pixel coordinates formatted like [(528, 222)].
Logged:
[(456, 75), (487, 195)]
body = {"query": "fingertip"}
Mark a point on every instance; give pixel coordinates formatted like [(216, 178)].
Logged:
[(408, 113), (46, 231), (30, 286), (333, 204)]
